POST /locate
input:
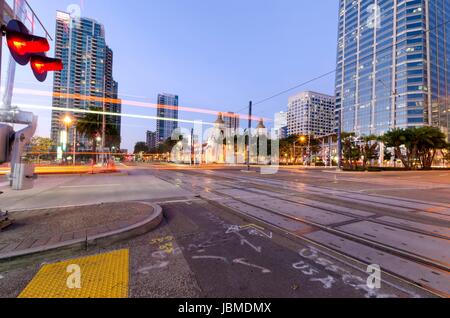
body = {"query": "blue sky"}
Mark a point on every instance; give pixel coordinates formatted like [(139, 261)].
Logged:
[(215, 54)]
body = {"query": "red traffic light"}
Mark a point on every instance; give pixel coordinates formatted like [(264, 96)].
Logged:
[(22, 44), (42, 64)]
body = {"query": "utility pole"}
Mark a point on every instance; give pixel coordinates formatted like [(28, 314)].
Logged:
[(250, 111), (104, 119), (192, 147), (74, 144)]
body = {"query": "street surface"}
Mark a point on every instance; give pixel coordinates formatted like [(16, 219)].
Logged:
[(230, 233)]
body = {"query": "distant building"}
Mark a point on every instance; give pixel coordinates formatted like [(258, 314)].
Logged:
[(311, 113), (283, 132), (151, 140), (88, 73), (167, 114), (280, 125), (232, 121)]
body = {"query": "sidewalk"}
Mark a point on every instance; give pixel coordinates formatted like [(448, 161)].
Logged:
[(49, 229)]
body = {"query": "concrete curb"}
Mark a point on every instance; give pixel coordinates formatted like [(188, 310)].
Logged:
[(134, 230)]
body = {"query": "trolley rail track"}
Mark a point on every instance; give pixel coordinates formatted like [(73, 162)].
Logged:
[(416, 258)]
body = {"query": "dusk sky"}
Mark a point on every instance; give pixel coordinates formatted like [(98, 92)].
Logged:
[(215, 55)]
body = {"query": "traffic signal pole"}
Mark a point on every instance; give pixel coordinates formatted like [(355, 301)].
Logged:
[(250, 113)]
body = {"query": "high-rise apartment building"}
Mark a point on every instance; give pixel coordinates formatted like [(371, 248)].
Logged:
[(311, 113), (167, 114), (87, 78), (392, 65)]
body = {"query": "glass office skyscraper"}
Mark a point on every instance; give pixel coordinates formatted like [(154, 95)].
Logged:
[(167, 114), (392, 65), (87, 76)]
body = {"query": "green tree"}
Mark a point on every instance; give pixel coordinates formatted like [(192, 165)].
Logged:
[(141, 147), (351, 152), (404, 142), (418, 144), (369, 150), (40, 146), (429, 141), (446, 154)]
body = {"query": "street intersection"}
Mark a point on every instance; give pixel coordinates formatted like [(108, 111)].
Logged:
[(228, 233)]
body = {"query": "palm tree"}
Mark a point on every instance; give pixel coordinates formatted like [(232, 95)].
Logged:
[(91, 125), (398, 138), (420, 145), (429, 141), (369, 151)]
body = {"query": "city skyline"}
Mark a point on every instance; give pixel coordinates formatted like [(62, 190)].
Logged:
[(214, 67), (351, 201)]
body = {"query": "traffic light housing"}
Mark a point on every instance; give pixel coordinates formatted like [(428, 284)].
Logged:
[(6, 141), (25, 48), (43, 64)]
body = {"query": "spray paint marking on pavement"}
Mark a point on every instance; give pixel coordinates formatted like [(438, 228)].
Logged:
[(99, 276), (252, 230), (219, 258), (243, 261)]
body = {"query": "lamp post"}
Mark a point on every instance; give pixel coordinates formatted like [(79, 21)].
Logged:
[(301, 140), (68, 121), (98, 140)]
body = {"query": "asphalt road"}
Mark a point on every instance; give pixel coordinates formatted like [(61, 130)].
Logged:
[(228, 233)]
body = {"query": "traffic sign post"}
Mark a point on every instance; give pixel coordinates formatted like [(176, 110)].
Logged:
[(24, 48)]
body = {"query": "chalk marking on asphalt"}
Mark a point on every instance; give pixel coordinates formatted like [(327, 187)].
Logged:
[(256, 248), (327, 281), (253, 229), (242, 261), (223, 259), (90, 186), (146, 270), (245, 241)]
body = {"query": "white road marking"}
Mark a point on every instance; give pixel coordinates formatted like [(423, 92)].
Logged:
[(243, 262), (211, 257)]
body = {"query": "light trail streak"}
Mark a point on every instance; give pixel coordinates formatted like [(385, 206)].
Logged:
[(33, 92), (84, 111)]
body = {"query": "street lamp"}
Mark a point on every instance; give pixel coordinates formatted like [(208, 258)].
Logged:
[(302, 140), (69, 121)]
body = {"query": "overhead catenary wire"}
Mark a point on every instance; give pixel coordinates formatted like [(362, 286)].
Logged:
[(264, 100)]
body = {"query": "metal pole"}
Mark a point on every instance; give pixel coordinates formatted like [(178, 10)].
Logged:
[(309, 150), (67, 142), (74, 144), (1, 46), (295, 153), (103, 115), (250, 106), (339, 141), (192, 147), (330, 152)]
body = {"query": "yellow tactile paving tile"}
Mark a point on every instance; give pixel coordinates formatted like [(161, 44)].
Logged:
[(99, 276)]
